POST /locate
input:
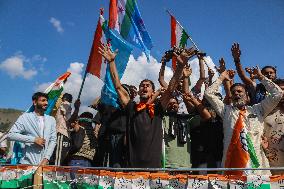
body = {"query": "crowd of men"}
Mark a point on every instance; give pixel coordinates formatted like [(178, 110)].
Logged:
[(171, 127)]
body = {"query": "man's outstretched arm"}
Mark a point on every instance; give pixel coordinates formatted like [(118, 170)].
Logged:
[(236, 53), (182, 60), (107, 53)]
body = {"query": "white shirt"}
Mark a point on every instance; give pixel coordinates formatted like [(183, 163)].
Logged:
[(253, 119), (41, 125)]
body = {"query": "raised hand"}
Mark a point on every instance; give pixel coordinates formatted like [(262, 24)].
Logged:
[(250, 72), (257, 73), (236, 52), (231, 73), (185, 55), (107, 53), (222, 66), (225, 76), (167, 56), (186, 71)]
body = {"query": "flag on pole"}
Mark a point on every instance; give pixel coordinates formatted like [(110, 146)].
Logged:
[(108, 94), (179, 37), (96, 64), (125, 17), (53, 92), (241, 152)]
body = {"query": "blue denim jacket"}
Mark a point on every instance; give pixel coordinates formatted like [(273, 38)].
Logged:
[(26, 129)]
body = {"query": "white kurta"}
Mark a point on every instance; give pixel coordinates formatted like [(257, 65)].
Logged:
[(253, 119)]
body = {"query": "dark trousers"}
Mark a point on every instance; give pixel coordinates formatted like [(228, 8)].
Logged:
[(111, 151), (61, 150)]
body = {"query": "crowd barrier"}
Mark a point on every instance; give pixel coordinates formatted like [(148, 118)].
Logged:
[(53, 177)]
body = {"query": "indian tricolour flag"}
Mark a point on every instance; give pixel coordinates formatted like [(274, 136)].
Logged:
[(179, 37), (241, 152), (53, 91)]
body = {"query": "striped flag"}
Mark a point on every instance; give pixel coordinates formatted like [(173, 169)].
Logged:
[(240, 153), (179, 37), (126, 19), (96, 64), (53, 91)]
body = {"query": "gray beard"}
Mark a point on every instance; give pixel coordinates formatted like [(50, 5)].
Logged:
[(239, 104)]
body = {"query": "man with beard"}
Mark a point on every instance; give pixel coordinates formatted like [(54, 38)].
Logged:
[(144, 130), (243, 124), (274, 133), (36, 131)]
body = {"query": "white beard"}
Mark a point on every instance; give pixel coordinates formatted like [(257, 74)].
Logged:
[(240, 103)]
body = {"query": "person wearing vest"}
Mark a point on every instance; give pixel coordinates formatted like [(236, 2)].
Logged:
[(83, 143)]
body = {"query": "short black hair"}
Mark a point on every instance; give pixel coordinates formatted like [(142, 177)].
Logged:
[(279, 81), (127, 88), (132, 87), (238, 84), (272, 67), (39, 94), (148, 80), (68, 97)]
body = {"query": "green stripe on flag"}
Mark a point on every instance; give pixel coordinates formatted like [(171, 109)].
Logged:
[(55, 93), (252, 154), (183, 40), (126, 22)]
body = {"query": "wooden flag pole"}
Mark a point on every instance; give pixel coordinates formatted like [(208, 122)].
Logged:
[(82, 85), (194, 44)]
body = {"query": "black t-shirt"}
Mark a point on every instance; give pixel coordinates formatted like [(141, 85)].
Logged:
[(97, 118), (144, 136), (113, 120)]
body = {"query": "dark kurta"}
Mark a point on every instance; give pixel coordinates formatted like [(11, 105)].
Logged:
[(145, 137)]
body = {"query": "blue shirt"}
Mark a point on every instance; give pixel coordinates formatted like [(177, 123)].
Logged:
[(26, 129)]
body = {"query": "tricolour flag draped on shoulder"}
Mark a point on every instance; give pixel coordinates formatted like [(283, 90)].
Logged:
[(241, 152), (53, 91), (96, 64), (125, 18), (108, 93), (179, 37)]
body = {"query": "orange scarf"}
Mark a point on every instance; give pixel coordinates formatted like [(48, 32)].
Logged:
[(151, 108)]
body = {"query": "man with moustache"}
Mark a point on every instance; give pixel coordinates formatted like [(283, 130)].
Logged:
[(144, 129), (36, 131), (242, 124)]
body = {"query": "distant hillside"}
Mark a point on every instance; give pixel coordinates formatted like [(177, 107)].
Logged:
[(8, 117)]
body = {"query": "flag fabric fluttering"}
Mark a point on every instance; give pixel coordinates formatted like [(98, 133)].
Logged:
[(96, 64), (126, 19), (53, 91), (179, 37), (108, 93)]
